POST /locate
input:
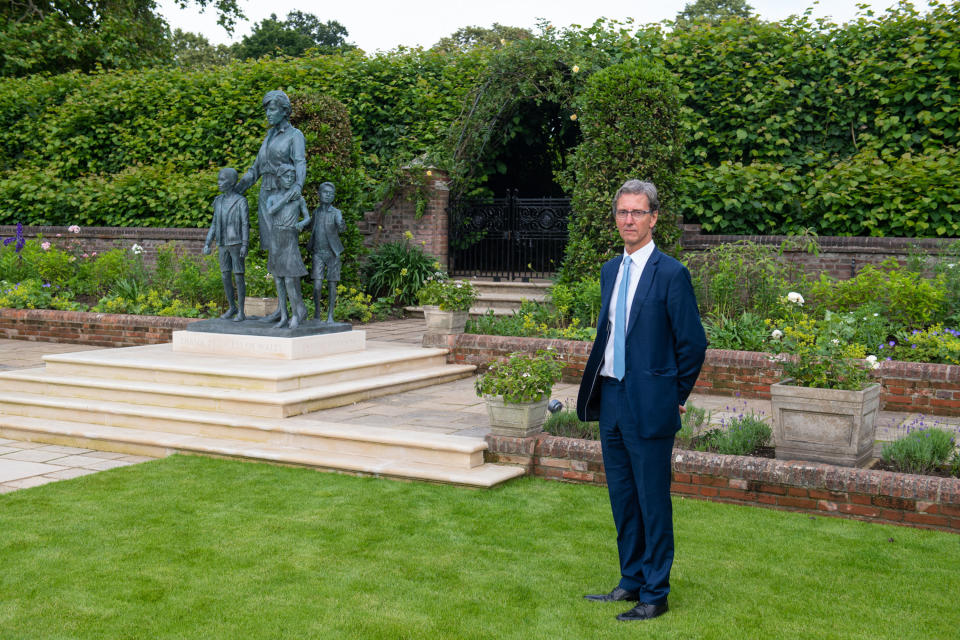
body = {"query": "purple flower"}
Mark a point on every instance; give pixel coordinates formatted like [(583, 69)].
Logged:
[(913, 346), (892, 343)]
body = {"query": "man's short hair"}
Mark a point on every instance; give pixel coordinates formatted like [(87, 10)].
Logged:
[(327, 184), (637, 187), (281, 98)]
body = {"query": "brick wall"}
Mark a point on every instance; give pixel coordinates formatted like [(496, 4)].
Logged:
[(80, 327), (907, 386), (102, 239), (840, 256), (429, 231), (822, 489)]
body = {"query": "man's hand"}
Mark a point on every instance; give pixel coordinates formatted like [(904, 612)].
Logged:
[(683, 409)]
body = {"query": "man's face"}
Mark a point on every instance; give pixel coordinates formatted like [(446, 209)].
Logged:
[(225, 181), (275, 113), (635, 228), (326, 195)]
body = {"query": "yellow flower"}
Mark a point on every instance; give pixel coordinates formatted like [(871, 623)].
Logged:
[(573, 116), (408, 235), (429, 173), (576, 69)]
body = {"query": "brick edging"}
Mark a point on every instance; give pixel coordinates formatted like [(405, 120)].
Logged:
[(85, 327), (823, 489)]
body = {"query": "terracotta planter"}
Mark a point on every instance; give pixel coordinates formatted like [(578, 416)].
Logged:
[(518, 420), (444, 322), (825, 425), (259, 306)]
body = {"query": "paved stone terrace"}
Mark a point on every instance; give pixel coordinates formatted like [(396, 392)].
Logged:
[(450, 408)]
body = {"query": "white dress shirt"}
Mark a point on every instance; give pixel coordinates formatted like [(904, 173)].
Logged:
[(638, 260)]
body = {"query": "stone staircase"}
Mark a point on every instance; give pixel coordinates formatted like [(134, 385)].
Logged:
[(503, 298), (153, 400)]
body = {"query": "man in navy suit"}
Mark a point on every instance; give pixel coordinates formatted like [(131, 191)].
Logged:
[(648, 352)]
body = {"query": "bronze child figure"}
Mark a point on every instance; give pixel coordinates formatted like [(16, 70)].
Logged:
[(326, 248), (231, 230), (283, 260)]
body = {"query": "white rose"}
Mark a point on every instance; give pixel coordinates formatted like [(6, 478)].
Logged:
[(795, 298), (776, 334)]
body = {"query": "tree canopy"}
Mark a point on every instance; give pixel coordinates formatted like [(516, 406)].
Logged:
[(496, 35), (54, 36), (293, 36), (712, 11)]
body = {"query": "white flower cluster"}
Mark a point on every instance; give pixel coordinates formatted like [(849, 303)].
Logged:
[(795, 298), (776, 334), (872, 361), (136, 249)]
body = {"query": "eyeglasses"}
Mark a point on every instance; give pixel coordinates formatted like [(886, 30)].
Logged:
[(636, 214)]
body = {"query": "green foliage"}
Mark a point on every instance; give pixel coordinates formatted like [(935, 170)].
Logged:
[(933, 344), (744, 435), (821, 359), (193, 51), (746, 332), (577, 301), (154, 302), (711, 12), (53, 37), (566, 424), (921, 451), (629, 118), (449, 295), (531, 320), (732, 278), (35, 294), (692, 422), (399, 269), (908, 299), (292, 37), (521, 378)]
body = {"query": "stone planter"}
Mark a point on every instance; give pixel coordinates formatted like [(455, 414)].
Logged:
[(518, 420), (444, 322), (825, 425), (259, 306)]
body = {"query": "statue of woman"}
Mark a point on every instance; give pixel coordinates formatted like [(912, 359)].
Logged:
[(284, 144)]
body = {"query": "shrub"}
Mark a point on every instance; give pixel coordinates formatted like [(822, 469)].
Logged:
[(155, 302), (743, 276), (920, 451), (577, 301), (521, 378), (743, 436), (34, 294), (449, 295), (691, 423), (398, 269), (629, 118), (566, 424), (933, 344), (748, 332)]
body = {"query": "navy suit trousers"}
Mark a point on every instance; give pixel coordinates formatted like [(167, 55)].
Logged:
[(638, 479)]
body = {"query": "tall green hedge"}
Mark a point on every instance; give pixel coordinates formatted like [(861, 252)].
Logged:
[(629, 119)]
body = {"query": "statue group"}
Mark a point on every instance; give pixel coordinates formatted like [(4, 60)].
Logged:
[(282, 213)]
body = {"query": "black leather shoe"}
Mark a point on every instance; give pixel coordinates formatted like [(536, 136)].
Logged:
[(617, 595), (644, 611)]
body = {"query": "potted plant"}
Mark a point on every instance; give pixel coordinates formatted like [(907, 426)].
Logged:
[(826, 408), (446, 303), (517, 390)]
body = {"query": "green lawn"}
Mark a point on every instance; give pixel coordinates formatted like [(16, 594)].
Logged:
[(198, 548)]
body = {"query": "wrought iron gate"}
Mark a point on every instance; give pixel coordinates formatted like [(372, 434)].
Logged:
[(508, 237)]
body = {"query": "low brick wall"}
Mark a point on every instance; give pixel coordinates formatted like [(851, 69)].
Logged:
[(907, 386), (81, 327), (822, 489)]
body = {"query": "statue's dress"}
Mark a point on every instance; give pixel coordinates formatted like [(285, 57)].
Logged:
[(284, 258)]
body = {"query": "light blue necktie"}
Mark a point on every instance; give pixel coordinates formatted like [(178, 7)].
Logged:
[(620, 324)]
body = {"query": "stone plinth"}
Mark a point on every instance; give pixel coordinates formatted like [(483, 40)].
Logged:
[(299, 348)]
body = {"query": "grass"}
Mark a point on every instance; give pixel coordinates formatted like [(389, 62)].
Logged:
[(198, 548)]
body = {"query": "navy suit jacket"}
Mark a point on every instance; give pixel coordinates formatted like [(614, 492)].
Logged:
[(665, 347)]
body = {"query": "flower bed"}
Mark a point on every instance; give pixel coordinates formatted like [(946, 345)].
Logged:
[(820, 489)]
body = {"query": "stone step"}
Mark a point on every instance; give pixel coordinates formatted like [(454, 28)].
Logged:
[(144, 442), (160, 364), (248, 402), (301, 433)]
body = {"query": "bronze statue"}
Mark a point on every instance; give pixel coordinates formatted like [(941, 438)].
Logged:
[(284, 144), (231, 230), (326, 248)]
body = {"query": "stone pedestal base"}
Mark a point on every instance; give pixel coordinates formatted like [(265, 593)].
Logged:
[(298, 348)]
